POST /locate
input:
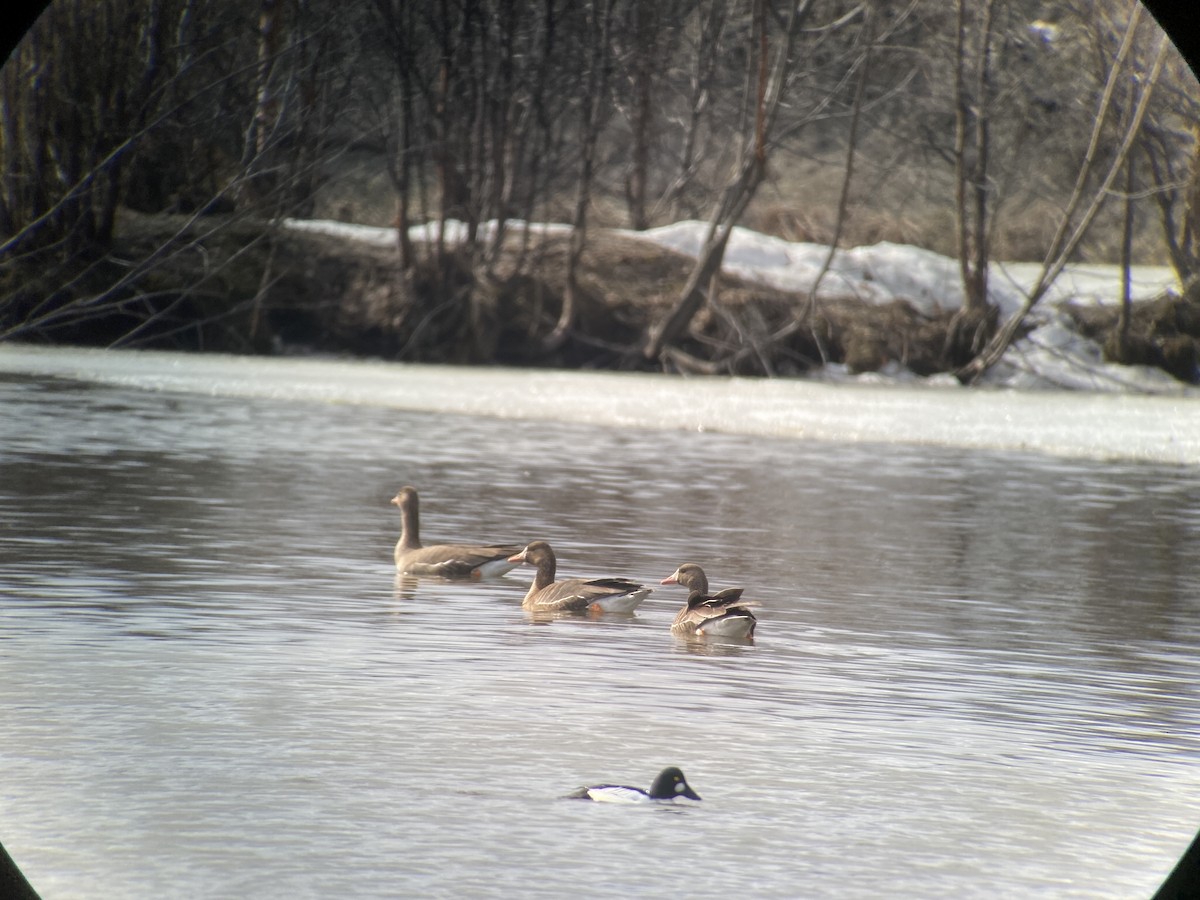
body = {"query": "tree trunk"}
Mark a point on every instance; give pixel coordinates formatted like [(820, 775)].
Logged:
[(592, 108), (1067, 238), (708, 264), (712, 27), (769, 85), (266, 106), (839, 221), (644, 41), (1126, 259), (971, 159)]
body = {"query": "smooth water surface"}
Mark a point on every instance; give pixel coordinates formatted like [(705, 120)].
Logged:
[(976, 674)]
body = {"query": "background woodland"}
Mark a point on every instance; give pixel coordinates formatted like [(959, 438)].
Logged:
[(151, 149)]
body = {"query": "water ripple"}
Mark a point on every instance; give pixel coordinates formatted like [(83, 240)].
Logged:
[(971, 671)]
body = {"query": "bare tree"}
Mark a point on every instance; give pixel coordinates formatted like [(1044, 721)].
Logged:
[(972, 111), (492, 111), (67, 127), (645, 48), (593, 108), (766, 80), (704, 35), (1170, 144), (1086, 198), (146, 125)]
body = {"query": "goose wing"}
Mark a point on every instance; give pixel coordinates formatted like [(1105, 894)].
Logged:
[(578, 594), (458, 560)]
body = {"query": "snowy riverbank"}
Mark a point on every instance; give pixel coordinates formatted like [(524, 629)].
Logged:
[(1052, 355)]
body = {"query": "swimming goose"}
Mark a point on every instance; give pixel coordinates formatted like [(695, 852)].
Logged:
[(597, 594), (669, 785), (444, 560), (723, 614)]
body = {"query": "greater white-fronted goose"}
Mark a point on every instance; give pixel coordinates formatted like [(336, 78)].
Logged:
[(444, 560), (723, 614), (596, 594), (669, 785)]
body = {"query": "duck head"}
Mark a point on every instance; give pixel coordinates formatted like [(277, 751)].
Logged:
[(691, 576), (670, 784)]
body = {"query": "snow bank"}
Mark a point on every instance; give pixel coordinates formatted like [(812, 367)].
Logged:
[(456, 232), (1052, 356)]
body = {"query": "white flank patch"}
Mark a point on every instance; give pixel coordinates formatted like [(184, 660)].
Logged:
[(617, 795), (623, 603), (496, 568), (738, 626)]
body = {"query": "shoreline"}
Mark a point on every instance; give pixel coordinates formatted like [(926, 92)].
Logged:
[(1141, 428)]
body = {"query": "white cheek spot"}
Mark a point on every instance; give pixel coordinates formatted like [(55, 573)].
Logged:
[(680, 788)]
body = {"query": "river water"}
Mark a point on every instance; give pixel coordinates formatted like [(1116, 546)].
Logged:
[(976, 672)]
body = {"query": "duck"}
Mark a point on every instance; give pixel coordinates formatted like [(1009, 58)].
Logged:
[(618, 595), (668, 785), (723, 614), (444, 560)]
